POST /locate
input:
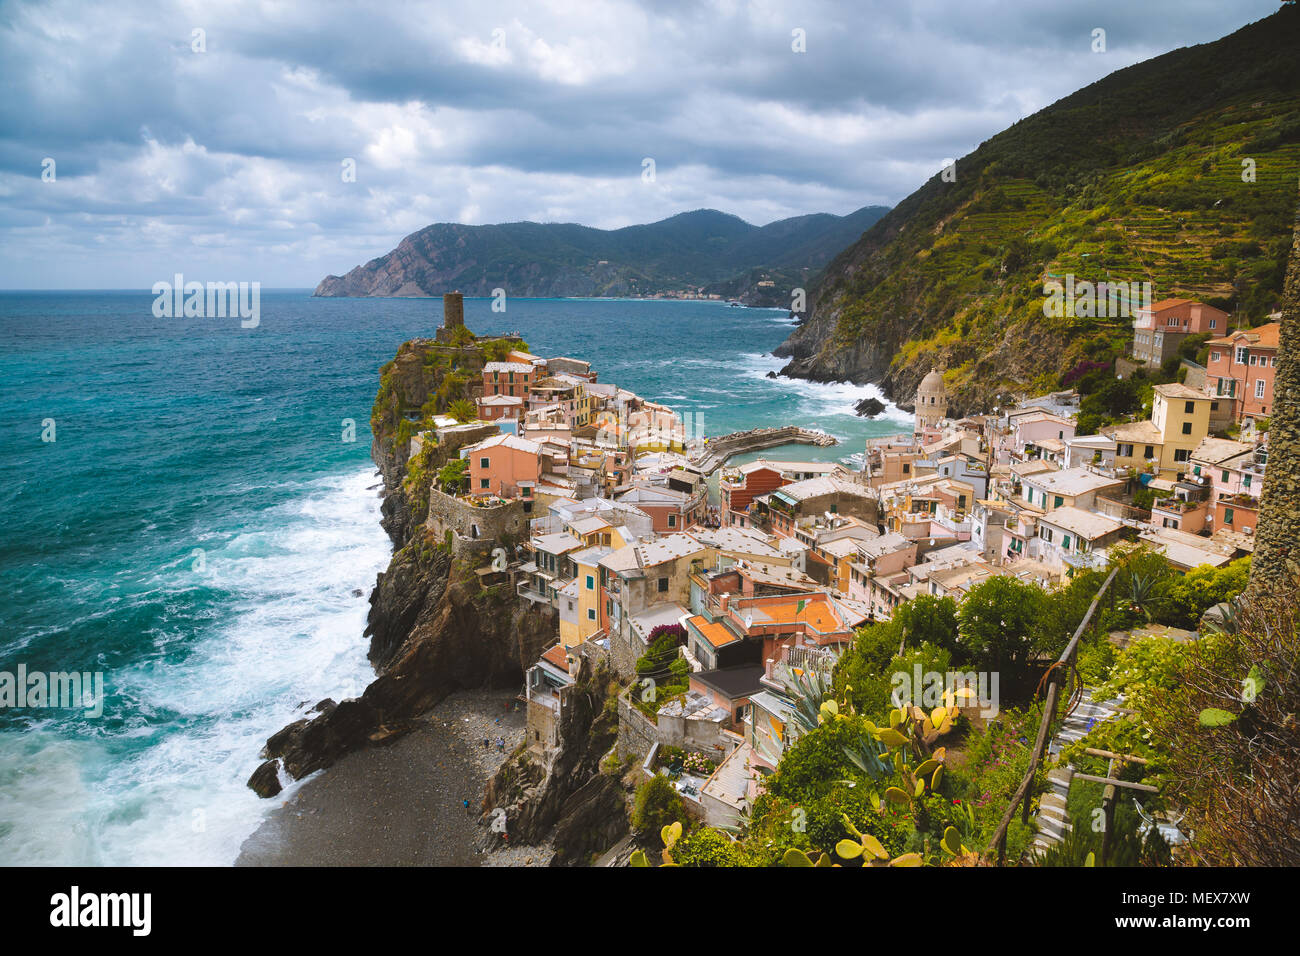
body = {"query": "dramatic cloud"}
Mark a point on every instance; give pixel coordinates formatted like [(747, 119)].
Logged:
[(211, 138)]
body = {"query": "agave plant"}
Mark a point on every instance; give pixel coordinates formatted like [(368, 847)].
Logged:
[(812, 703), (1141, 589), (812, 697)]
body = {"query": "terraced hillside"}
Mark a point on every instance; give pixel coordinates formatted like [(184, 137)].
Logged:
[(1142, 176)]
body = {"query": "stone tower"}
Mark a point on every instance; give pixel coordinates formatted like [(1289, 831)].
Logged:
[(931, 402), (453, 311), (453, 317), (1275, 567)]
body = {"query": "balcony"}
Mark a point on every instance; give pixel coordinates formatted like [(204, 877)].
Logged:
[(776, 672), (529, 593)]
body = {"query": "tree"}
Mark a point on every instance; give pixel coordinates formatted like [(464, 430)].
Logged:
[(453, 477), (930, 620), (463, 410), (998, 621), (1188, 597)]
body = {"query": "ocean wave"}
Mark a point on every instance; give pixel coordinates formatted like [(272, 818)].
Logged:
[(821, 398), (166, 786)]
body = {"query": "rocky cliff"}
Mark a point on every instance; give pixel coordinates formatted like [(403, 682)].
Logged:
[(434, 627), (1179, 171), (562, 796)]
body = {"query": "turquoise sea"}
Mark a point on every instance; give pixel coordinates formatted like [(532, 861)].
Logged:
[(198, 531)]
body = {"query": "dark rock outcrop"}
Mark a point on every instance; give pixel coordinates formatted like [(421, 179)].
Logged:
[(433, 627), (433, 631), (869, 407), (265, 781), (565, 789)]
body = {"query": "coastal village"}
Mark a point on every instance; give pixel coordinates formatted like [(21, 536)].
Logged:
[(708, 587)]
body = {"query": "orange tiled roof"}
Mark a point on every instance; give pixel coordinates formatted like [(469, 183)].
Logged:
[(1262, 336), (715, 632), (1169, 304), (817, 611), (556, 655)]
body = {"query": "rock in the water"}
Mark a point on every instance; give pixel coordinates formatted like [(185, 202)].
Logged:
[(771, 375), (869, 407), (357, 592), (265, 781)]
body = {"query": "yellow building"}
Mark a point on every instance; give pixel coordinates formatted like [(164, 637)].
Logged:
[(1180, 418), (589, 595)]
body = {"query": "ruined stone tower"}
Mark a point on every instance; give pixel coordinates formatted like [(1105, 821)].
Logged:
[(453, 316), (453, 310)]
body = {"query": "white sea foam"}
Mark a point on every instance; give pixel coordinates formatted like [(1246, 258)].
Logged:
[(819, 399), (292, 636)]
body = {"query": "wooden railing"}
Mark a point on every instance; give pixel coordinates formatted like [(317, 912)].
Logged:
[(1056, 675)]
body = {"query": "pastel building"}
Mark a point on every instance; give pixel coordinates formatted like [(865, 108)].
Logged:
[(1180, 418), (1067, 488), (1159, 330), (495, 408), (508, 378), (503, 465), (1077, 538), (1240, 370)]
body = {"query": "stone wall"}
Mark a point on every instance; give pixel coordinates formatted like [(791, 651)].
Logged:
[(636, 732), (1276, 564), (474, 530)]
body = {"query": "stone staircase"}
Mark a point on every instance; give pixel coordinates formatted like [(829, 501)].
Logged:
[(1052, 818)]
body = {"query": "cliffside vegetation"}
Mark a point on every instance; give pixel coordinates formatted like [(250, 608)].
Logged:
[(1179, 171), (869, 783)]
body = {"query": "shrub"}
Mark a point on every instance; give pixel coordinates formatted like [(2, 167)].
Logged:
[(1239, 781), (656, 805), (706, 847), (453, 477)]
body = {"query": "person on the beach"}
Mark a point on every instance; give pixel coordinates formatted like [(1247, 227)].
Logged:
[(467, 808), (501, 744)]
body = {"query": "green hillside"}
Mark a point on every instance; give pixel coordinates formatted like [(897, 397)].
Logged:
[(1138, 177)]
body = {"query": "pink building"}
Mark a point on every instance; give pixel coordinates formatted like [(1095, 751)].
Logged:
[(493, 408), (1241, 367), (508, 378), (1029, 430), (1159, 330), (499, 464)]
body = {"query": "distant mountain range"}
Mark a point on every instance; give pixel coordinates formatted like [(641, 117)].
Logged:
[(702, 249)]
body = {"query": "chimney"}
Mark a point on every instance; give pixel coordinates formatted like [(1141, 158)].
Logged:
[(724, 602)]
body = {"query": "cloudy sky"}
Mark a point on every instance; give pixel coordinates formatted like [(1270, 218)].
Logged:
[(221, 153)]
